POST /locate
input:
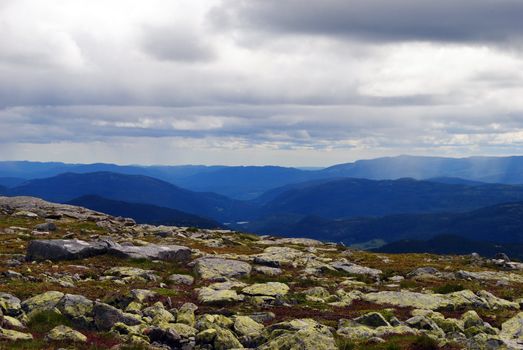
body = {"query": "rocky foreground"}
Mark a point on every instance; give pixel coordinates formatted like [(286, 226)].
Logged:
[(72, 278)]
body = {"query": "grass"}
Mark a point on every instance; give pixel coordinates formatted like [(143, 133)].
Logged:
[(448, 288), (44, 321)]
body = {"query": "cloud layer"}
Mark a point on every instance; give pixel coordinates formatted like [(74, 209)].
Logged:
[(258, 82)]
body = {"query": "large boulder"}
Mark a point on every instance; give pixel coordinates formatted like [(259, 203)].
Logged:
[(42, 302), (77, 308), (355, 269), (151, 252), (220, 269), (278, 256), (64, 249)]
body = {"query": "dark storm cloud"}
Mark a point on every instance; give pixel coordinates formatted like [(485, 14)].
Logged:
[(176, 44), (381, 20)]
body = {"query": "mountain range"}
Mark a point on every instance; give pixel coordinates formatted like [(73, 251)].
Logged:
[(249, 182), (476, 199)]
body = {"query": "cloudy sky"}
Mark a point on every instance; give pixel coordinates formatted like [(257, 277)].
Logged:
[(288, 82)]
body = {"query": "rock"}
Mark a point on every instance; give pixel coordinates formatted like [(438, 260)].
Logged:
[(278, 256), (267, 289), (513, 328), (310, 337), (12, 335), (406, 299), (77, 308), (10, 305), (246, 326), (181, 279), (225, 340), (424, 323), (46, 227), (151, 252), (208, 295), (421, 271), (42, 302), (142, 295), (64, 333), (218, 269), (106, 316), (131, 272), (186, 314), (167, 336), (64, 249), (11, 322), (372, 319), (268, 271), (207, 336), (160, 317), (208, 321), (183, 330), (355, 269)]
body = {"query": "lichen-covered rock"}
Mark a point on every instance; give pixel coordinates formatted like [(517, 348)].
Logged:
[(76, 308), (278, 256), (67, 334), (372, 319), (208, 295), (225, 340), (218, 269), (246, 326), (267, 289), (10, 305), (513, 328), (308, 338), (106, 316), (42, 302), (12, 335), (131, 272), (209, 321), (186, 314)]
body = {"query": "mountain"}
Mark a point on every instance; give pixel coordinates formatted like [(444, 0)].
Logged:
[(144, 213), (486, 169), (502, 223), (246, 182), (346, 198), (135, 189), (249, 182), (451, 244), (455, 181), (11, 181)]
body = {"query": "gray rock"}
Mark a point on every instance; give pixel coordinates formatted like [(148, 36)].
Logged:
[(372, 319), (219, 269), (64, 249), (355, 269), (423, 271), (181, 279), (151, 252), (45, 227), (106, 316)]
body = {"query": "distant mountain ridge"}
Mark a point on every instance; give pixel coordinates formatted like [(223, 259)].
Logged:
[(346, 198), (249, 182), (502, 223), (452, 244), (144, 213), (135, 189)]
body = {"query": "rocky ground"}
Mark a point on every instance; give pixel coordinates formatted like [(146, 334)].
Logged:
[(72, 278)]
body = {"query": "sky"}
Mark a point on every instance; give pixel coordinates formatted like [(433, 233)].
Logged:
[(283, 82)]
